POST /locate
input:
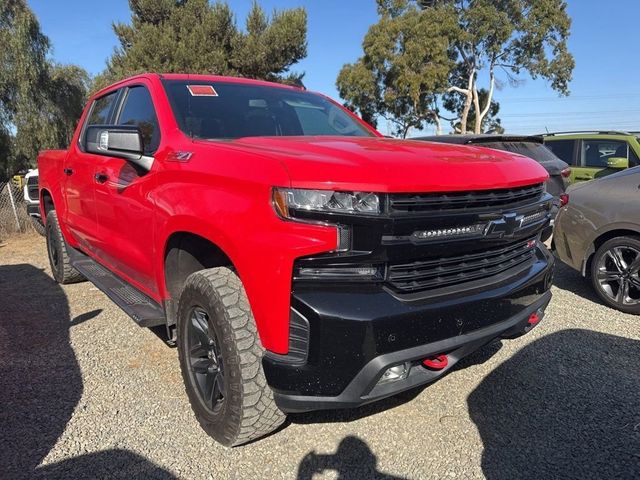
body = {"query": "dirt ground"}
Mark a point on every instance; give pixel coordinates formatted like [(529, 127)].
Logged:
[(85, 393)]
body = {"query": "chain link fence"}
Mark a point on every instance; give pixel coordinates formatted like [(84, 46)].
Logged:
[(13, 211)]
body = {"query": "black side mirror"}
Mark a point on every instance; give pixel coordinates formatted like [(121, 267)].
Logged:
[(124, 141)]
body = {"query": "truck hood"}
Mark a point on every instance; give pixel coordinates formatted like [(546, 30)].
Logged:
[(389, 165)]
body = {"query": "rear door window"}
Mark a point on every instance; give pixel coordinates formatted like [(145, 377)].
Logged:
[(102, 109), (596, 153), (101, 113), (563, 149)]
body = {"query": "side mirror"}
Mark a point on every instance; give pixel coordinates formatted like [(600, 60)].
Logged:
[(617, 162), (122, 141)]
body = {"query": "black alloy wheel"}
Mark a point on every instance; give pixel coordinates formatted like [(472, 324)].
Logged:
[(615, 273), (220, 357), (206, 363)]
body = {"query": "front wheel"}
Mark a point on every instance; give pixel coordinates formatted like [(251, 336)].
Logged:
[(614, 273), (221, 359)]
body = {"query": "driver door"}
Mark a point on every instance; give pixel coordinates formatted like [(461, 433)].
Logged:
[(123, 196)]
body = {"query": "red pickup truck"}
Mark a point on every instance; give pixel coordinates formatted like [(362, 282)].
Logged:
[(299, 260)]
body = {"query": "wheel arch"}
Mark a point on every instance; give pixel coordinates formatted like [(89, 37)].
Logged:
[(46, 202), (603, 236), (186, 252)]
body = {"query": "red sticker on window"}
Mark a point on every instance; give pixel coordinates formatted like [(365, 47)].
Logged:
[(202, 91)]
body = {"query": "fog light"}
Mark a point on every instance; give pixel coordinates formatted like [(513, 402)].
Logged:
[(394, 374)]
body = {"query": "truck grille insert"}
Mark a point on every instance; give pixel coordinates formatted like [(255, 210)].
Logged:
[(455, 270), (32, 188), (465, 201)]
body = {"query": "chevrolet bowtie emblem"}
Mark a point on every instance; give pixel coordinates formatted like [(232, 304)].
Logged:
[(504, 227)]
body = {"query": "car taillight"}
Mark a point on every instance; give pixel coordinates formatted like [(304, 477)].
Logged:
[(566, 173), (564, 199)]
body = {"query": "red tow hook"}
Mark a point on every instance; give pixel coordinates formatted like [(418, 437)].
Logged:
[(436, 363), (534, 318)]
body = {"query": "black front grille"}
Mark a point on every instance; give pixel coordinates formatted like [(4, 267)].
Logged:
[(32, 188), (442, 272), (465, 201)]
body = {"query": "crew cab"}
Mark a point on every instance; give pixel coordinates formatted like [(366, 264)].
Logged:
[(298, 259)]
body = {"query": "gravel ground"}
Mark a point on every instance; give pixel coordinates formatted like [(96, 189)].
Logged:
[(85, 393)]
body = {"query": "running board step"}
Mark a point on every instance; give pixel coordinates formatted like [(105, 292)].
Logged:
[(145, 311)]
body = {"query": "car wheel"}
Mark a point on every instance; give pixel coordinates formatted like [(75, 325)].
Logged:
[(59, 259), (38, 226), (614, 273), (221, 359)]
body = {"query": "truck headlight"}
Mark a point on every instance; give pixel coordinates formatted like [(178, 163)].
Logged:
[(287, 200)]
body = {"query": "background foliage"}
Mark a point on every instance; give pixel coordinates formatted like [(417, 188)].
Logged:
[(40, 101), (200, 37), (424, 54)]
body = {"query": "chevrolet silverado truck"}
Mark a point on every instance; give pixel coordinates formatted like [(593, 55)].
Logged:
[(299, 260)]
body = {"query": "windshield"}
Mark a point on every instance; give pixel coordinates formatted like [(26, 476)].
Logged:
[(218, 110)]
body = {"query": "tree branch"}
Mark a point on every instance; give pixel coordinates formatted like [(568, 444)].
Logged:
[(492, 82), (463, 91)]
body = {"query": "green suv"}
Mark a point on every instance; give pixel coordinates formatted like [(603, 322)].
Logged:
[(595, 154)]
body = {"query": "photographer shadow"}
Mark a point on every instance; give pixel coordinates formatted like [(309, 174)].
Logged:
[(41, 384), (565, 406), (353, 460)]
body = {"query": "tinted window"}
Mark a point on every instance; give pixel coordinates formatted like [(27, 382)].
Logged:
[(231, 110), (138, 110), (563, 149), (102, 109), (537, 151), (595, 153), (633, 159)]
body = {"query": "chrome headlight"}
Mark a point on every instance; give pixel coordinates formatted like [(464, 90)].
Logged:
[(286, 200)]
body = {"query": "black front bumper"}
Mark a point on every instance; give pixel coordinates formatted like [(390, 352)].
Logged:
[(356, 334)]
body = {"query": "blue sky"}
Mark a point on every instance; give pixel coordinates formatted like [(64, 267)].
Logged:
[(604, 92)]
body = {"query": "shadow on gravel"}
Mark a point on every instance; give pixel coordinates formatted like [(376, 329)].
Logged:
[(353, 414), (566, 278), (566, 406), (353, 460), (41, 383)]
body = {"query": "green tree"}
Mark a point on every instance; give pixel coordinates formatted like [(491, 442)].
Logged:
[(196, 36), (406, 64), (508, 36), (400, 76), (40, 102), (48, 117), (491, 123)]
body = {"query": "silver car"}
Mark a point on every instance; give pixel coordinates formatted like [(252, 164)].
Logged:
[(598, 234)]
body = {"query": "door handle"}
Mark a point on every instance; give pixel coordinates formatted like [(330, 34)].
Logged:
[(101, 177), (68, 171)]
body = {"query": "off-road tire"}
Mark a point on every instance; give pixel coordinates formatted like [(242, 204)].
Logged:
[(633, 242), (38, 226), (248, 410), (58, 252)]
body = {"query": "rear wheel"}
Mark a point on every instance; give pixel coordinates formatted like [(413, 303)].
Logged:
[(38, 226), (59, 259), (614, 273), (221, 359)]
